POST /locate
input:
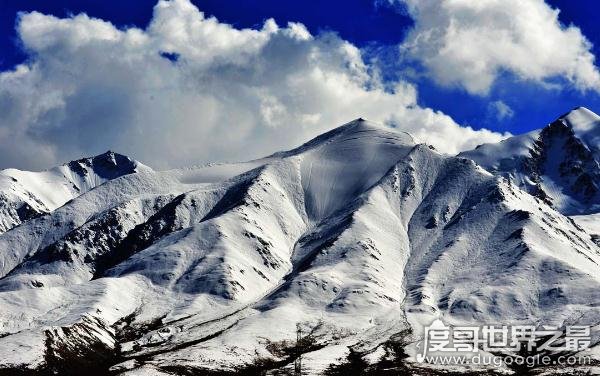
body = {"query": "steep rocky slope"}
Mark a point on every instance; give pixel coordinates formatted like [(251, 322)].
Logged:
[(558, 163)]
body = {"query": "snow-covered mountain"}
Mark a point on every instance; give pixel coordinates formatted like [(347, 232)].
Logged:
[(558, 163), (25, 194), (357, 239)]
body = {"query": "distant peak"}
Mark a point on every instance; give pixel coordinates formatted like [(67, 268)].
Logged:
[(578, 112), (107, 157), (110, 156), (108, 165), (581, 108), (580, 119)]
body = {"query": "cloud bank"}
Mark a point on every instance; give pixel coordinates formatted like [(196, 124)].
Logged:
[(189, 89), (469, 43)]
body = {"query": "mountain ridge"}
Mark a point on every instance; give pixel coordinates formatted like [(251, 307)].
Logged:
[(26, 194), (552, 163), (359, 237)]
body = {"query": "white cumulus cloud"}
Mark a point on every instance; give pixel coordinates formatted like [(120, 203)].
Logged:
[(223, 94), (470, 43), (500, 110)]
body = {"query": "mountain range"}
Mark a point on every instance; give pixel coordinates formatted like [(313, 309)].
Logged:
[(339, 252)]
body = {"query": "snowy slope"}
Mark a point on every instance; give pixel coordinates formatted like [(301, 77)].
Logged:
[(25, 195), (357, 238), (558, 163), (586, 126)]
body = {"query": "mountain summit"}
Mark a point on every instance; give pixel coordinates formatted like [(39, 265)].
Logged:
[(354, 240), (558, 163), (25, 194)]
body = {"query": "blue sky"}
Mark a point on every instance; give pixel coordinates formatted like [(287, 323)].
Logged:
[(378, 28)]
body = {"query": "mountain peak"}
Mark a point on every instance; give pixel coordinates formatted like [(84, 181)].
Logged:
[(557, 163), (581, 119), (359, 129), (107, 165), (28, 194), (578, 109), (330, 163)]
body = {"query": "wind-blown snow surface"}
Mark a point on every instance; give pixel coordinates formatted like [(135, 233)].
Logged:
[(357, 236)]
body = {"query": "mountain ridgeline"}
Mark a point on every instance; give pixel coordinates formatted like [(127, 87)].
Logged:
[(353, 242)]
